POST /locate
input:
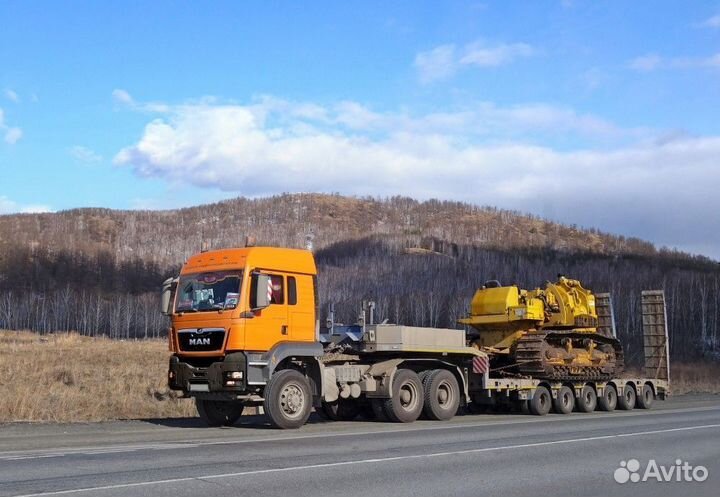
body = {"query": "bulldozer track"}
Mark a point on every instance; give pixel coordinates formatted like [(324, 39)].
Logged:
[(530, 356)]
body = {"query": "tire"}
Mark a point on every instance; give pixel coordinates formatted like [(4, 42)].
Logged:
[(565, 401), (423, 375), (626, 402), (587, 401), (288, 400), (218, 412), (645, 401), (341, 410), (541, 401), (608, 400), (442, 395), (406, 402)]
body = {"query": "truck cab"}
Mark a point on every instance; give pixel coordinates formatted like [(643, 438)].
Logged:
[(237, 315)]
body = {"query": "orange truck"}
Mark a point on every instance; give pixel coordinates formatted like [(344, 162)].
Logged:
[(245, 331)]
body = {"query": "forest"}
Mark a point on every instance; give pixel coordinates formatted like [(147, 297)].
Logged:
[(98, 271), (426, 284)]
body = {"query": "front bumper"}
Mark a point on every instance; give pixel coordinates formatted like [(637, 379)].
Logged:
[(213, 378)]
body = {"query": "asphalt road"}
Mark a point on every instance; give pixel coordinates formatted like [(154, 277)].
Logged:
[(494, 455)]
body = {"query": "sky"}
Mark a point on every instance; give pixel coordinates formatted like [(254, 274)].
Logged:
[(599, 114)]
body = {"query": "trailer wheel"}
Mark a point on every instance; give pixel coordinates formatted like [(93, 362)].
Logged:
[(541, 401), (609, 399), (287, 399), (218, 412), (626, 402), (565, 401), (406, 402), (646, 398), (442, 395), (341, 410), (587, 401)]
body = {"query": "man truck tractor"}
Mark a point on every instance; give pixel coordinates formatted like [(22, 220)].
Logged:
[(245, 332)]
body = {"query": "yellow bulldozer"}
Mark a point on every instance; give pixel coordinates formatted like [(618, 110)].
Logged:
[(549, 332)]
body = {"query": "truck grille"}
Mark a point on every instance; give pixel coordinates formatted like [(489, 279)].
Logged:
[(201, 340)]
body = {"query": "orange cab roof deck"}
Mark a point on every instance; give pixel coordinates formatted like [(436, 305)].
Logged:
[(270, 258)]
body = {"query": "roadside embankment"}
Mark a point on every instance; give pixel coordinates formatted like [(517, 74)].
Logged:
[(66, 377)]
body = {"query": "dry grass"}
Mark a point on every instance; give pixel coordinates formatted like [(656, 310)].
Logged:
[(69, 378), (700, 377), (66, 378)]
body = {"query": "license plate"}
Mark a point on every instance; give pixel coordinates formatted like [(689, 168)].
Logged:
[(199, 387)]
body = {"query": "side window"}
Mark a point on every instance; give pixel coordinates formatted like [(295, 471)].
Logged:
[(253, 287), (278, 290), (292, 290)]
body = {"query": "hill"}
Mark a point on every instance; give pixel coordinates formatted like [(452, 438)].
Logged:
[(97, 271), (168, 237)]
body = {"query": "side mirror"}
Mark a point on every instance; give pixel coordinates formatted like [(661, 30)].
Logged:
[(263, 291), (168, 292)]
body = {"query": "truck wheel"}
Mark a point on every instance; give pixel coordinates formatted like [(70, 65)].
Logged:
[(645, 400), (288, 400), (341, 410), (442, 395), (541, 402), (218, 412), (565, 401), (627, 401), (406, 402), (587, 401), (608, 400)]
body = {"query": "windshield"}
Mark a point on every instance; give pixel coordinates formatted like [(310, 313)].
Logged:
[(208, 291)]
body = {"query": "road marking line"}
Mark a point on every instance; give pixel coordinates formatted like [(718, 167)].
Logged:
[(367, 461), (182, 444)]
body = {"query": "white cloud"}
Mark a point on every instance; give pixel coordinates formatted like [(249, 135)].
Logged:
[(8, 206), (438, 63), (444, 61), (122, 97), (11, 95), (481, 55), (652, 62), (642, 183), (711, 22), (11, 134), (84, 154), (646, 62)]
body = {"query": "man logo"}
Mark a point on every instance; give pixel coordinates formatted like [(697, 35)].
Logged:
[(199, 341)]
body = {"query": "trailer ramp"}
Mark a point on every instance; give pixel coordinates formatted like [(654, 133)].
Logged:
[(655, 335)]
